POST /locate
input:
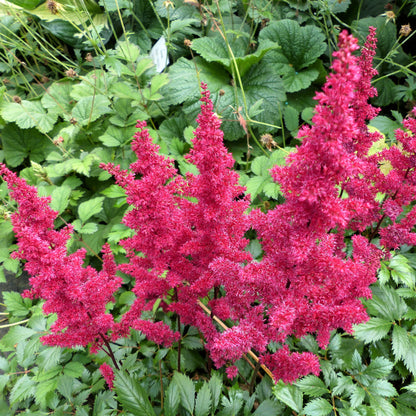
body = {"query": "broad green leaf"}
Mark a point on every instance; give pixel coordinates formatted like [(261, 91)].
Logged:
[(15, 335), (382, 388), (409, 358), (172, 400), (183, 72), (132, 396), (318, 407), (404, 271), (215, 385), (23, 389), (117, 136), (15, 304), (46, 391), (387, 304), (186, 390), (90, 208), (19, 144), (29, 114), (400, 342), (357, 396), (96, 82), (379, 367), (89, 109), (268, 408), (114, 191), (312, 386), (57, 98), (382, 407), (255, 185), (60, 198), (203, 401), (291, 117), (298, 80), (289, 395), (300, 46), (373, 330), (74, 369)]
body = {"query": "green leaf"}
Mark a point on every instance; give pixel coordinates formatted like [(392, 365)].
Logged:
[(23, 389), (382, 388), (291, 117), (57, 98), (15, 335), (114, 191), (289, 395), (172, 400), (203, 401), (60, 198), (357, 396), (318, 407), (29, 114), (373, 330), (20, 144), (400, 342), (89, 109), (409, 358), (387, 303), (15, 304), (382, 407), (186, 390), (312, 386), (267, 408), (215, 385), (379, 367), (74, 369), (132, 396), (300, 46), (404, 271), (90, 208), (116, 136)]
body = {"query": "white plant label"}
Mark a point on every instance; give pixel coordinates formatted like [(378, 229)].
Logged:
[(159, 54)]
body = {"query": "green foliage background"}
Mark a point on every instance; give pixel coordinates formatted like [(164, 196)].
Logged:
[(77, 75)]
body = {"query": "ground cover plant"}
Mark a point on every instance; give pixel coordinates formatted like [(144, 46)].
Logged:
[(225, 286)]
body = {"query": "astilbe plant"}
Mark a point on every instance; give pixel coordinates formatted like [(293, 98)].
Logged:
[(321, 248)]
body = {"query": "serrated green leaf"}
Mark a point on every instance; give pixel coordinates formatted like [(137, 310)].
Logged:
[(382, 388), (215, 385), (114, 191), (192, 343), (400, 341), (255, 185), (89, 208), (23, 389), (29, 114), (382, 407), (289, 395), (312, 386), (291, 117), (116, 136), (60, 198), (172, 400), (15, 335), (57, 98), (74, 369), (318, 407), (15, 303), (299, 80), (372, 330), (409, 358), (379, 367), (387, 303), (301, 46), (45, 391), (267, 408), (19, 144), (89, 109), (383, 274), (203, 401), (133, 397), (186, 390), (357, 396)]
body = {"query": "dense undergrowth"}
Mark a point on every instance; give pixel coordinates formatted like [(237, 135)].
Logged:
[(76, 77)]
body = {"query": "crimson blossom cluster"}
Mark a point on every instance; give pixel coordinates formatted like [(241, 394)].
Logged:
[(321, 248)]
